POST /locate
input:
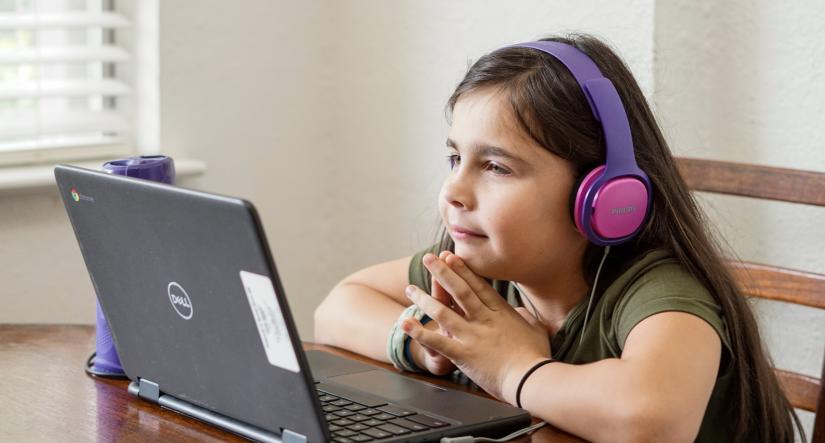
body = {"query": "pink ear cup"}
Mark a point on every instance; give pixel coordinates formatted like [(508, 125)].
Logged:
[(588, 181), (619, 206)]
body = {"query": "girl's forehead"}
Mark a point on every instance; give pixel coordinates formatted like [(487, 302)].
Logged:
[(484, 105), (485, 116)]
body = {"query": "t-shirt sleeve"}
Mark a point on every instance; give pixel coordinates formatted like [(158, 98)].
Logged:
[(419, 274), (667, 288)]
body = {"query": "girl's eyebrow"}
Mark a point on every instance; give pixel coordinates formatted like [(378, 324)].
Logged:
[(488, 150)]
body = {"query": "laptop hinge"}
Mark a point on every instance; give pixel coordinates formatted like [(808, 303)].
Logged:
[(148, 390), (288, 436)]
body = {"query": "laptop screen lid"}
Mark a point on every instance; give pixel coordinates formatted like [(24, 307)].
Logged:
[(192, 297)]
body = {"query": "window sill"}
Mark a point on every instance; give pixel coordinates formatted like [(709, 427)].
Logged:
[(36, 178)]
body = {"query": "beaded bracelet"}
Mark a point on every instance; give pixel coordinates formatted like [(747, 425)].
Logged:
[(398, 342), (407, 353)]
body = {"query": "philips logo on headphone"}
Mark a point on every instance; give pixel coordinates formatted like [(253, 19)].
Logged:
[(624, 210), (180, 300)]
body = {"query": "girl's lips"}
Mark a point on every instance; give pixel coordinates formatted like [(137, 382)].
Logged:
[(462, 234)]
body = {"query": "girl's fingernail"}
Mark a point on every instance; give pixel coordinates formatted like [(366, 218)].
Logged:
[(428, 258), (409, 291), (406, 326)]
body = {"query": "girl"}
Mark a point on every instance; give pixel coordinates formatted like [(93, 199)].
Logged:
[(647, 338)]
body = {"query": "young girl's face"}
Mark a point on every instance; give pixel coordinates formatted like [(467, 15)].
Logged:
[(511, 191)]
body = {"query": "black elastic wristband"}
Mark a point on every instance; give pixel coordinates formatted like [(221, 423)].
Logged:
[(527, 374)]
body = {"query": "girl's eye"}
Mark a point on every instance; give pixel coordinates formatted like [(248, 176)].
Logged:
[(453, 160), (498, 169)]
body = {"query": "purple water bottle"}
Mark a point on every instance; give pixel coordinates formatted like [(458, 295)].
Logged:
[(105, 361)]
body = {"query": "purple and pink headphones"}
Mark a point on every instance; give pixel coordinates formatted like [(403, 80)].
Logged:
[(613, 200)]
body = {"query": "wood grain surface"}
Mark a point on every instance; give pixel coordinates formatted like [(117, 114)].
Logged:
[(45, 395)]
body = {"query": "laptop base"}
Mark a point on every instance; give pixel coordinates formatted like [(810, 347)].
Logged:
[(149, 391)]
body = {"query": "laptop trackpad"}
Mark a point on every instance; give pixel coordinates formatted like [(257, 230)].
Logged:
[(325, 365), (389, 385)]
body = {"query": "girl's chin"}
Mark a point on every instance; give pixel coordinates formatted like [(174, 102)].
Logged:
[(473, 261)]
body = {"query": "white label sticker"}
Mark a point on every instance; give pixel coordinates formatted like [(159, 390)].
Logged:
[(270, 321)]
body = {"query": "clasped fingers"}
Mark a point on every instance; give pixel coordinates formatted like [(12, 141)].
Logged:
[(474, 294), (448, 319), (454, 284)]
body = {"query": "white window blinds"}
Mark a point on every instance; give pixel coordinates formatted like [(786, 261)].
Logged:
[(66, 80)]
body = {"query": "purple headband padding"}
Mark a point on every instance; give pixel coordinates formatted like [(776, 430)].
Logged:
[(608, 109), (604, 102)]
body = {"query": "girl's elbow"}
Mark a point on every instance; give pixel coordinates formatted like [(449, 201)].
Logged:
[(325, 316), (321, 324), (317, 329)]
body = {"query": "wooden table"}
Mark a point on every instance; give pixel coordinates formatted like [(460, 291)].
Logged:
[(46, 396)]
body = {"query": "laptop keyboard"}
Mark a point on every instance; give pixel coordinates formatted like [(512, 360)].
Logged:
[(350, 421)]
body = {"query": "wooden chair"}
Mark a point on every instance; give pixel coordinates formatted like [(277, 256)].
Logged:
[(770, 282)]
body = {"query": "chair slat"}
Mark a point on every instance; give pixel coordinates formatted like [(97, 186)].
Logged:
[(775, 283), (770, 282), (802, 390), (765, 182)]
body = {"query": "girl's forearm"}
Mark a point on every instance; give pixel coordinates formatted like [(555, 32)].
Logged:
[(598, 401), (357, 318)]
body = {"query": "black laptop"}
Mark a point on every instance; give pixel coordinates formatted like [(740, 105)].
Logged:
[(202, 325)]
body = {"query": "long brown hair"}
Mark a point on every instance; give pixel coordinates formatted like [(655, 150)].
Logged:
[(550, 106)]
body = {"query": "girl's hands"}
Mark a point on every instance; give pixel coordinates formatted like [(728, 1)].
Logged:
[(427, 358), (492, 343)]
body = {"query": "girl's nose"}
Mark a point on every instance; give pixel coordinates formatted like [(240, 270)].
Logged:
[(457, 192)]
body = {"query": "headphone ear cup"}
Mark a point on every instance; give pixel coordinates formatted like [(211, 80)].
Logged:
[(581, 192), (619, 209)]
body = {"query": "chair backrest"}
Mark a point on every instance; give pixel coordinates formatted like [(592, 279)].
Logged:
[(772, 282)]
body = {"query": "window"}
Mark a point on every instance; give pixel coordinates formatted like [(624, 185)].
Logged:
[(78, 79)]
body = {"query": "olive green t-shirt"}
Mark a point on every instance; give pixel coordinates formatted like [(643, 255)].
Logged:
[(656, 283)]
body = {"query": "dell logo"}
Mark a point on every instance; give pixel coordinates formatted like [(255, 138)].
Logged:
[(180, 300), (624, 210)]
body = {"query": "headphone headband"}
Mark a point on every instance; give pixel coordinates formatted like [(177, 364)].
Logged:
[(604, 102), (620, 171)]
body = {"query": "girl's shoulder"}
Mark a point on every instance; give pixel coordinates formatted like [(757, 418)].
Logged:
[(657, 283)]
